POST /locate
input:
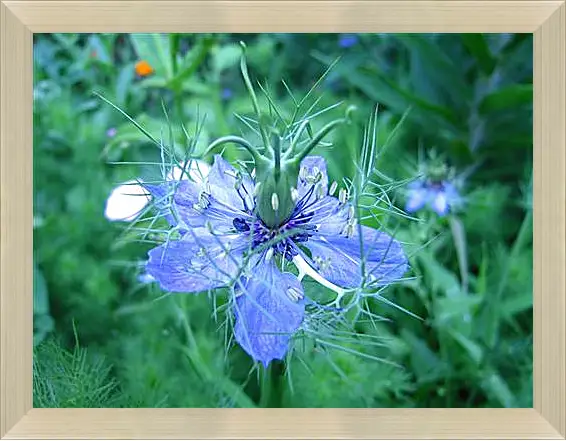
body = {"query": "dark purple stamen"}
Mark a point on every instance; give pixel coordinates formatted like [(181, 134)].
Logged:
[(298, 225), (240, 225), (435, 185)]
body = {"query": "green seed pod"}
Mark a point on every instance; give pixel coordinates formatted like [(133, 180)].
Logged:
[(437, 171), (275, 201)]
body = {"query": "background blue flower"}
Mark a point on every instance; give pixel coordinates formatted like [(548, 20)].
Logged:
[(441, 197)]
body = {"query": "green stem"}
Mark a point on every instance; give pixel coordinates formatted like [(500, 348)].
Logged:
[(276, 156), (318, 137), (176, 88), (459, 236), (235, 140), (248, 83), (191, 350), (222, 126), (493, 308), (517, 245), (295, 141), (266, 386), (174, 41), (271, 385)]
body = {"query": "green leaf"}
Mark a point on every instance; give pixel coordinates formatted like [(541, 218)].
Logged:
[(507, 98), (473, 349), (43, 324), (226, 57), (123, 83), (496, 386), (426, 364), (383, 90), (441, 279), (478, 47), (459, 235), (154, 82), (437, 70), (102, 51), (193, 60), (40, 298), (520, 302)]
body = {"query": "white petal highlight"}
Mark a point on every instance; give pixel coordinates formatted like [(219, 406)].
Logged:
[(126, 201), (305, 269), (195, 169)]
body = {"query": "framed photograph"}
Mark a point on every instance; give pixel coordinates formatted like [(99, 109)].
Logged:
[(282, 219)]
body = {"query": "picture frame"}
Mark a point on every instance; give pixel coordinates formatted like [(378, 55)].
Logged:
[(20, 19)]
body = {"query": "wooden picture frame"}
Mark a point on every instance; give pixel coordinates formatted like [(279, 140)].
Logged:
[(20, 19)]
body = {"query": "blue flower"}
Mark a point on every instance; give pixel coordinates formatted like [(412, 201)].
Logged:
[(224, 242), (226, 93), (440, 196), (347, 40)]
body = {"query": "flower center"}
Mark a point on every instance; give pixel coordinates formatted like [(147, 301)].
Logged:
[(282, 238)]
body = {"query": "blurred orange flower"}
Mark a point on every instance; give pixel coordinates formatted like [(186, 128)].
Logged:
[(143, 68)]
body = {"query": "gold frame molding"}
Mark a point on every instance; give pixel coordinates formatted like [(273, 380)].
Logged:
[(20, 19)]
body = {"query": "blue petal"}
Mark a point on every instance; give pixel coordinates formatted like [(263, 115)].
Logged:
[(266, 317), (162, 200), (440, 203), (327, 214), (199, 262), (222, 181), (450, 191), (312, 166), (417, 199), (175, 201), (347, 40), (452, 195), (216, 201), (338, 258)]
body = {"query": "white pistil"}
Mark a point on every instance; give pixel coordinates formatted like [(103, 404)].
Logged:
[(349, 230), (204, 200), (253, 174), (209, 227), (294, 294), (305, 269), (269, 255), (333, 188), (352, 222), (323, 263), (238, 183), (343, 196), (256, 188), (294, 194), (351, 212), (303, 173), (319, 191), (274, 201)]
